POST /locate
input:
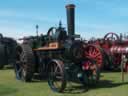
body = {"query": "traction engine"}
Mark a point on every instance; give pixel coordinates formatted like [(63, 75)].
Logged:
[(7, 51), (112, 47), (58, 55)]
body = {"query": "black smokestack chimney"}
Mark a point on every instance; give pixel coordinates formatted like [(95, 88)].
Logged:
[(71, 19)]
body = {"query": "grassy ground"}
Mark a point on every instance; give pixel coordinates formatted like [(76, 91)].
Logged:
[(110, 85)]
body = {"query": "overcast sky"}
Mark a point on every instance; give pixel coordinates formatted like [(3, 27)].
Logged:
[(93, 17)]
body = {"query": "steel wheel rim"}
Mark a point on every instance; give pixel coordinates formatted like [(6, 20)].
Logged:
[(56, 85)]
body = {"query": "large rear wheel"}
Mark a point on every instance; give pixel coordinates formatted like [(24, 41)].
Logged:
[(24, 67)]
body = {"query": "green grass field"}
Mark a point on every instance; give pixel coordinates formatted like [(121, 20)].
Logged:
[(109, 85)]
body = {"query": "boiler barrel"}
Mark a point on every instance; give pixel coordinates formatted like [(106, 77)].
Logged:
[(119, 49)]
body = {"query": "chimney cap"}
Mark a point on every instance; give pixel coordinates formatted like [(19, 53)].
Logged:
[(70, 6)]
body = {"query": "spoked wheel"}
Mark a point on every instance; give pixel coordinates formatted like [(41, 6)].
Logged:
[(24, 67), (93, 71), (57, 80), (95, 53), (111, 36)]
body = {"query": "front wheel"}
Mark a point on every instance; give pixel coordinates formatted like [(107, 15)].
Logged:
[(56, 76)]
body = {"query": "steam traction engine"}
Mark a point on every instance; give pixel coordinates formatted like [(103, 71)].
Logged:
[(7, 51), (113, 48), (58, 55)]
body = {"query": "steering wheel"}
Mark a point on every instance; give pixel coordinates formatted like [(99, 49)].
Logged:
[(111, 36)]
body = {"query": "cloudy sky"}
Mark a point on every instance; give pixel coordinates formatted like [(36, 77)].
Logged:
[(94, 18)]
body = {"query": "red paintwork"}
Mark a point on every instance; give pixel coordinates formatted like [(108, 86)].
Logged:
[(112, 45), (94, 52)]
